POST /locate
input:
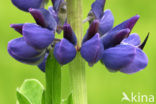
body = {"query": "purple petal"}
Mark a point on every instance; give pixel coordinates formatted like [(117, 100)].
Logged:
[(133, 39), (127, 24), (19, 49), (44, 18), (139, 62), (43, 64), (69, 34), (36, 36), (32, 61), (92, 50), (97, 8), (26, 4), (17, 27), (64, 52), (118, 57), (93, 29), (114, 37), (106, 22)]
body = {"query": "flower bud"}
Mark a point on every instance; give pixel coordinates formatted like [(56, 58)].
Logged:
[(64, 51)]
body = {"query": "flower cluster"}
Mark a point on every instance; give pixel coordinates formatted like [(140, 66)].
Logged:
[(115, 47)]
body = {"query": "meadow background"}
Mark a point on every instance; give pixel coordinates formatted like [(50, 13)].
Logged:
[(103, 87)]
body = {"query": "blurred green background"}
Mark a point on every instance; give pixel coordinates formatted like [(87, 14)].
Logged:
[(103, 87)]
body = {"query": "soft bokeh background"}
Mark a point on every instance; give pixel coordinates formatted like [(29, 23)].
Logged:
[(103, 87)]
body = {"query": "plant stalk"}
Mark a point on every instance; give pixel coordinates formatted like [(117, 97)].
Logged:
[(77, 66)]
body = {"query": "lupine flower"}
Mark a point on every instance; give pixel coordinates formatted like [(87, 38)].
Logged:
[(116, 48), (32, 47), (64, 50), (126, 57), (92, 47)]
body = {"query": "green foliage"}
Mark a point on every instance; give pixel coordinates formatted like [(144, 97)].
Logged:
[(53, 80), (30, 92), (22, 99), (43, 97)]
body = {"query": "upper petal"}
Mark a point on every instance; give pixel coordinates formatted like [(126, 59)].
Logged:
[(139, 62), (106, 22), (127, 24), (64, 51), (98, 7), (92, 30), (44, 18), (113, 38), (36, 36), (92, 50), (26, 4), (69, 34), (118, 57), (133, 39), (17, 27)]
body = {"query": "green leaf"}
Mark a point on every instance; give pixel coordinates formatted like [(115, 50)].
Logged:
[(69, 100), (43, 97), (53, 80), (33, 90), (21, 98)]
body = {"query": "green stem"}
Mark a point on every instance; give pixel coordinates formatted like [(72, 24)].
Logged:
[(77, 73), (74, 16), (53, 80), (77, 66)]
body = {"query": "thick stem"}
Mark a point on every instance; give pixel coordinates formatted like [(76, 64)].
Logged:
[(77, 66), (77, 73), (74, 17)]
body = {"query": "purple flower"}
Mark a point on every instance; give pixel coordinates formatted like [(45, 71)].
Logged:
[(32, 47), (126, 57), (115, 47), (92, 47), (64, 50)]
